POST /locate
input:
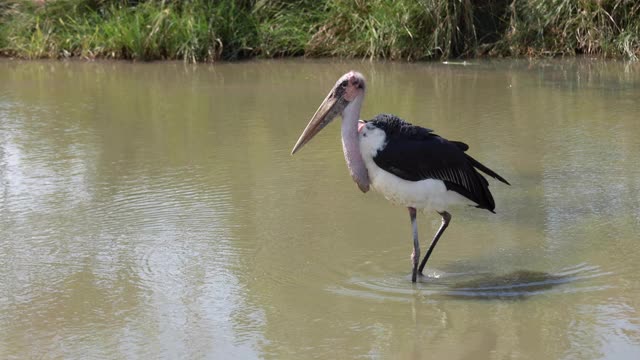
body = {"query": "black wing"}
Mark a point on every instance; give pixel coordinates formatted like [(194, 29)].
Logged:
[(414, 153)]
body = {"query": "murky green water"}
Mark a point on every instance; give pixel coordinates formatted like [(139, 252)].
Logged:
[(153, 211)]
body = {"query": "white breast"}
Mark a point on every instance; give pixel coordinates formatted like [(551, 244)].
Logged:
[(427, 194)]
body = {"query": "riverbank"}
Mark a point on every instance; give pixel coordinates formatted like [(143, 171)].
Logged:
[(206, 30)]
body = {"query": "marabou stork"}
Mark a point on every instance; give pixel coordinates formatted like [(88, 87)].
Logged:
[(410, 165)]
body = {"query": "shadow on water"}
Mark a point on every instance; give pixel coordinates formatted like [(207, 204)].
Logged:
[(516, 285)]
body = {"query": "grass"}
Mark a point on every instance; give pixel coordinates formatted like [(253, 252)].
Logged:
[(561, 27), (210, 30), (195, 30)]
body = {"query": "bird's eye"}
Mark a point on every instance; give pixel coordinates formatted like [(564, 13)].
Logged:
[(344, 84)]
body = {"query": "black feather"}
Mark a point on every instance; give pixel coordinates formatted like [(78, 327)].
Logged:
[(414, 153)]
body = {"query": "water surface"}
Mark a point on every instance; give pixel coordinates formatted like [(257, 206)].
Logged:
[(154, 211)]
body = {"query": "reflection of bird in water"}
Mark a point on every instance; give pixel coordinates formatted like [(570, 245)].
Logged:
[(409, 165)]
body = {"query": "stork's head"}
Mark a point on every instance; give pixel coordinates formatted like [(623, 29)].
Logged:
[(349, 88), (352, 84)]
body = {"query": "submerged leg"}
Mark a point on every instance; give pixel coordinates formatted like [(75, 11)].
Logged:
[(415, 256), (446, 217)]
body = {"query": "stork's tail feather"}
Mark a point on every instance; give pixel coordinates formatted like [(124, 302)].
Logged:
[(485, 169)]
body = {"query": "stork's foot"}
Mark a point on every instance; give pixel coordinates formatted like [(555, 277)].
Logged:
[(419, 277)]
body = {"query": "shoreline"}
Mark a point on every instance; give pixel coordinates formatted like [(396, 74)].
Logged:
[(447, 61), (485, 62)]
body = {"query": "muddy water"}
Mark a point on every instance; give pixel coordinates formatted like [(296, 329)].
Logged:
[(154, 211)]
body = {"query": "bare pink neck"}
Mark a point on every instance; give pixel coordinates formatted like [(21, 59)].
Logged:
[(351, 144)]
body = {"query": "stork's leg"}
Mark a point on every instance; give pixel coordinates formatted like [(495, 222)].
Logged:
[(446, 217), (415, 256)]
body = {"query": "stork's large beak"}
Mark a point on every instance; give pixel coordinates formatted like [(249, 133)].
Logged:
[(332, 105)]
